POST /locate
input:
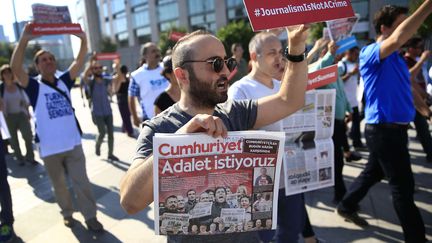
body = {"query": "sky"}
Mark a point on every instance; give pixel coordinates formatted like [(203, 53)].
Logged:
[(24, 12)]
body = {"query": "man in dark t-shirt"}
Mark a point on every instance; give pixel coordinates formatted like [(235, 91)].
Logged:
[(202, 77)]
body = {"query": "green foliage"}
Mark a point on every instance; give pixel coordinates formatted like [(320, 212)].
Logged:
[(5, 52), (165, 43), (425, 29), (234, 32), (4, 60), (107, 45), (316, 31)]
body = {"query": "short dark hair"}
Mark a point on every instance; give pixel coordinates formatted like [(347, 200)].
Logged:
[(171, 196), (387, 15), (167, 66), (413, 42), (182, 51), (234, 47)]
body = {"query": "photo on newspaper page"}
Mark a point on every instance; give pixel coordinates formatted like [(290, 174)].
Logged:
[(205, 185), (308, 155)]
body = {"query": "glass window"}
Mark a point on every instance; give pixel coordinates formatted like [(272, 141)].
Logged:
[(164, 26), (107, 29), (234, 3), (120, 24), (140, 19), (105, 9), (117, 5), (168, 11), (122, 39), (200, 6), (362, 8), (160, 2), (143, 34), (236, 10), (137, 2)]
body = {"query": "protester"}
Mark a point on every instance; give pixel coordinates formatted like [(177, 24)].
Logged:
[(172, 94), (147, 83), (414, 51), (192, 201), (203, 82), (350, 77), (242, 66), (389, 109), (100, 90), (57, 128), (7, 233), (265, 51), (120, 87), (16, 110)]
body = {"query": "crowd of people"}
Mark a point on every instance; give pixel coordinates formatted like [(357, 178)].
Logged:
[(191, 91)]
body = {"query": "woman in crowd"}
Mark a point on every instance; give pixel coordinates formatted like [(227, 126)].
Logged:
[(16, 111), (121, 89), (172, 94)]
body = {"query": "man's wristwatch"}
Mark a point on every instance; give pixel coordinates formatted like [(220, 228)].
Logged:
[(295, 58)]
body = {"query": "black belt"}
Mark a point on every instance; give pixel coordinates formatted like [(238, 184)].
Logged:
[(389, 125)]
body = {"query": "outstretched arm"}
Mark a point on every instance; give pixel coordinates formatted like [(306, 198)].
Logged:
[(78, 63), (17, 59), (405, 30)]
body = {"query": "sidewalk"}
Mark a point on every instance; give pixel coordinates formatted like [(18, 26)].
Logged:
[(38, 218)]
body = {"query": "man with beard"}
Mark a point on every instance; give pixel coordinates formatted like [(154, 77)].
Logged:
[(190, 204), (202, 76), (146, 83), (100, 89), (171, 204)]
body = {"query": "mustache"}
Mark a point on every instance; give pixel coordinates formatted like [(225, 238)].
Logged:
[(223, 78)]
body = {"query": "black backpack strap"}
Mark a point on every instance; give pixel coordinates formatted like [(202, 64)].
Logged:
[(53, 86)]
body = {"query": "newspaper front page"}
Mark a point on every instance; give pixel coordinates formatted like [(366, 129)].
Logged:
[(308, 155), (205, 185)]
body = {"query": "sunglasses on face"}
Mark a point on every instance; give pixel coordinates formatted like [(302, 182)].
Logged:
[(218, 63), (97, 68)]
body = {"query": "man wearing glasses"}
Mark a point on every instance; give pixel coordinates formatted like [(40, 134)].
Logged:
[(100, 91), (200, 68), (146, 83)]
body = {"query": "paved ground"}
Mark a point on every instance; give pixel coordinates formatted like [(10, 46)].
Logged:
[(38, 218)]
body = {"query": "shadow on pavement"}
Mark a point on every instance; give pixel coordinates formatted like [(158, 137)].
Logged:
[(83, 235)]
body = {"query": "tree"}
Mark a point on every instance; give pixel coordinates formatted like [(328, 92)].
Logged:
[(6, 50), (425, 29), (236, 32), (107, 45), (165, 43), (316, 31)]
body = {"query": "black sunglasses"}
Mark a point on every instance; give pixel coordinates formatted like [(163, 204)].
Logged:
[(218, 63)]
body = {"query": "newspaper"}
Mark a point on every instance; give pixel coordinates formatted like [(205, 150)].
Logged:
[(47, 14), (340, 31), (309, 156), (224, 183)]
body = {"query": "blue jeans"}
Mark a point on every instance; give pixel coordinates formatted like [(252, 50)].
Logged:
[(290, 221), (389, 157), (6, 215)]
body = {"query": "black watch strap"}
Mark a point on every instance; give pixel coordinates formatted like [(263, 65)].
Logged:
[(295, 58)]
